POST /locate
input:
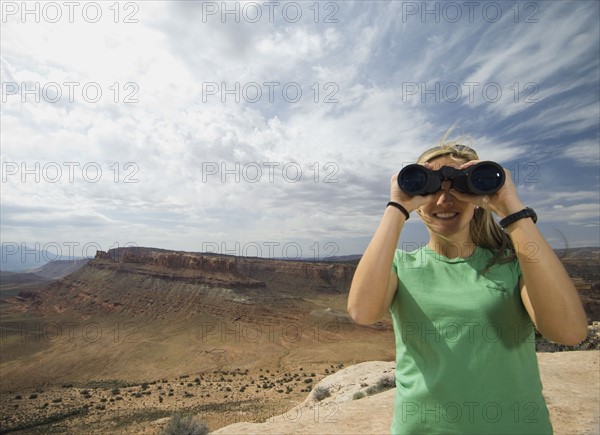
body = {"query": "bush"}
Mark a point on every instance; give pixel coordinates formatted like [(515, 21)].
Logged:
[(358, 395), (386, 382), (372, 390), (321, 393), (185, 425)]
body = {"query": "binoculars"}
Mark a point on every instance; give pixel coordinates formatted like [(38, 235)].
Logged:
[(484, 178)]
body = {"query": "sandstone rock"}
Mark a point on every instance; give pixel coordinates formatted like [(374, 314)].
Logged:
[(571, 387)]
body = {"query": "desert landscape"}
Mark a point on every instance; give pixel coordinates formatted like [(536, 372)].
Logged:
[(137, 335)]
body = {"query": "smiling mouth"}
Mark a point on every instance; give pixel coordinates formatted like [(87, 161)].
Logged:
[(445, 216)]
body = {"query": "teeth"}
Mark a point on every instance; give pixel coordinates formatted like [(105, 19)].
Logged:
[(445, 215)]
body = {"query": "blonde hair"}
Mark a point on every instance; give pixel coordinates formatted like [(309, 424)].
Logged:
[(484, 230)]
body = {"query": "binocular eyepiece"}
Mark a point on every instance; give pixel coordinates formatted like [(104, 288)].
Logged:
[(484, 178)]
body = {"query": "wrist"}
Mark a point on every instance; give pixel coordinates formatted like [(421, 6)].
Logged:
[(399, 207), (508, 209), (511, 219)]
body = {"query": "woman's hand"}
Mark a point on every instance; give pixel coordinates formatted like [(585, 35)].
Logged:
[(410, 203), (503, 202)]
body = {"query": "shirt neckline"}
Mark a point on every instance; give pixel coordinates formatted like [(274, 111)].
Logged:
[(439, 257)]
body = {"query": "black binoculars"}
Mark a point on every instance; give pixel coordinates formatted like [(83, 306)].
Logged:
[(484, 178)]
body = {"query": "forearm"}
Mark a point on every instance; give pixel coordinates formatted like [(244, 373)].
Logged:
[(559, 314), (368, 291)]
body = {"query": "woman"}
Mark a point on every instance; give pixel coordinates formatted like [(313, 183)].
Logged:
[(463, 307)]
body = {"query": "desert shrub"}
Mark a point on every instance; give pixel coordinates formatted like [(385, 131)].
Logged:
[(321, 393), (372, 390), (386, 382), (358, 395), (33, 396), (308, 380), (185, 425), (115, 391), (383, 383)]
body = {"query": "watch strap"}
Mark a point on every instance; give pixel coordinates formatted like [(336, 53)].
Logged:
[(512, 218)]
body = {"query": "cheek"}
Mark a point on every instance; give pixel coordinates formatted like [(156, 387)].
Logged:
[(469, 213)]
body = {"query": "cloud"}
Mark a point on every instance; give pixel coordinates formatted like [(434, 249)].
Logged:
[(179, 165)]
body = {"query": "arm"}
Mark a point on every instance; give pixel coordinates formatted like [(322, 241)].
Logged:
[(547, 292), (374, 282)]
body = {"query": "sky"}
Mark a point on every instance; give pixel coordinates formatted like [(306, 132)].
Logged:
[(272, 129)]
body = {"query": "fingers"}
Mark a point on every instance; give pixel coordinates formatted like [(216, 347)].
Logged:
[(469, 163)]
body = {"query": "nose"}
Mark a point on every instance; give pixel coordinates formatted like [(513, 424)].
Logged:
[(445, 197)]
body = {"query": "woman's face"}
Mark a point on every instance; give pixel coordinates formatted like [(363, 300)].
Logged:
[(446, 215)]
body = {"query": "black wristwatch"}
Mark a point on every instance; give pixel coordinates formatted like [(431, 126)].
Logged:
[(512, 218)]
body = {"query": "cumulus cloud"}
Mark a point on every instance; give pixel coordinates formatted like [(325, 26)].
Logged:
[(190, 153)]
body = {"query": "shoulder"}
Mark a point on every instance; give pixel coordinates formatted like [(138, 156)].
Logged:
[(404, 258)]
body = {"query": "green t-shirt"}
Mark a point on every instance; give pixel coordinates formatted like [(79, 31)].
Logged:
[(465, 348)]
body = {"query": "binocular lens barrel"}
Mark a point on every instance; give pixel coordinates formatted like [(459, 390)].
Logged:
[(484, 178)]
